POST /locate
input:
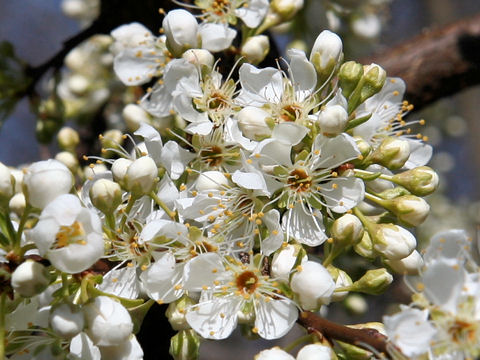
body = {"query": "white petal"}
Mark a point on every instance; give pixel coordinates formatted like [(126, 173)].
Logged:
[(272, 242), (216, 37), (335, 151), (121, 282), (274, 318), (215, 318), (82, 347), (420, 154), (303, 71), (304, 225), (174, 158), (260, 85), (153, 140), (136, 66), (347, 194), (202, 270), (289, 133), (253, 14), (249, 180)]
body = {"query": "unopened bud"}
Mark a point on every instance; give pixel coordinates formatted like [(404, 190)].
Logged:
[(119, 170), (181, 29), (252, 121), (199, 57), (141, 176), (347, 230), (374, 282), (134, 116), (313, 285), (374, 78), (90, 171), (342, 280), (7, 184), (176, 313), (316, 352), (392, 241), (332, 120), (284, 260), (185, 345), (349, 75), (256, 49), (211, 180), (111, 139), (67, 321), (68, 139), (106, 195), (420, 181), (410, 265), (30, 278), (356, 304), (410, 209), (285, 9), (68, 159), (392, 153), (274, 353), (364, 147), (17, 204), (326, 53), (365, 247), (78, 84)]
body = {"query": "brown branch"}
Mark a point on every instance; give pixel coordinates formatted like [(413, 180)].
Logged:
[(331, 330), (437, 63)]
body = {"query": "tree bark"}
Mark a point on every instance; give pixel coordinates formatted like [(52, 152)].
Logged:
[(436, 63)]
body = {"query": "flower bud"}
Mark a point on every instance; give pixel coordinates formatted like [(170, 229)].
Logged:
[(67, 159), (364, 148), (354, 352), (106, 195), (332, 120), (285, 9), (410, 265), (326, 53), (284, 260), (199, 57), (68, 139), (393, 241), (17, 204), (141, 176), (252, 121), (30, 278), (45, 180), (315, 352), (91, 170), (410, 209), (392, 153), (185, 345), (365, 247), (78, 84), (66, 321), (119, 170), (356, 304), (374, 78), (374, 282), (342, 280), (255, 49), (347, 230), (420, 181), (176, 313), (181, 29), (367, 26), (7, 184), (134, 116), (111, 139), (274, 353), (313, 285), (349, 75), (211, 180), (108, 322)]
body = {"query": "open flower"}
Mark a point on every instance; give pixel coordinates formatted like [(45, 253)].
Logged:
[(68, 234)]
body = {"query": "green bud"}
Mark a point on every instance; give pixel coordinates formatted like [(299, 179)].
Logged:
[(349, 75), (185, 345), (410, 209), (374, 282), (347, 230), (374, 79), (285, 9), (392, 153), (420, 181), (342, 280), (365, 247), (390, 194), (106, 195), (176, 313)]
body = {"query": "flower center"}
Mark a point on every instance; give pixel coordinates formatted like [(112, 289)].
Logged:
[(299, 180), (247, 282), (217, 101), (71, 234), (213, 155), (290, 112)]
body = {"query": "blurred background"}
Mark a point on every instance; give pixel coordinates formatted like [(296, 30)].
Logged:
[(37, 29)]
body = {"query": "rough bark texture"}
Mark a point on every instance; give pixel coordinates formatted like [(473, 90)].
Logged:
[(436, 63)]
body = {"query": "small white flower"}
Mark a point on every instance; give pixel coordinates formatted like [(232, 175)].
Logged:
[(69, 235)]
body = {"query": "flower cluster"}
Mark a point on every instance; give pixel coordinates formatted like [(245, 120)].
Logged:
[(232, 200)]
